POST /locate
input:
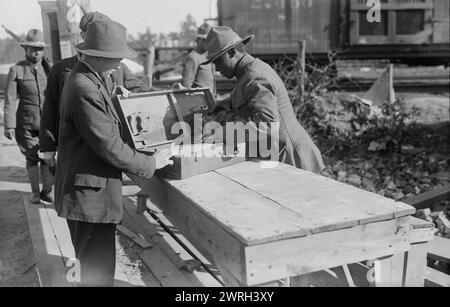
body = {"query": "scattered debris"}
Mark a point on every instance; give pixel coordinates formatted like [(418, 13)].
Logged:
[(191, 265), (439, 218), (424, 214), (133, 236)]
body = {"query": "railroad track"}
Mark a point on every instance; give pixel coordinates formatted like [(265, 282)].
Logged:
[(412, 84)]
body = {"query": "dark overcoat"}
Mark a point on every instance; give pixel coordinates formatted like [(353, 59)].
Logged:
[(48, 140), (91, 153)]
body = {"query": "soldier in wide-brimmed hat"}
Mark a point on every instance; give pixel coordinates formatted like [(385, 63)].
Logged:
[(24, 100), (92, 154), (195, 75), (260, 98)]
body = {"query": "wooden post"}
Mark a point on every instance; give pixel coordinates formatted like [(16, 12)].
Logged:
[(416, 265), (389, 271), (301, 60), (149, 63), (391, 84)]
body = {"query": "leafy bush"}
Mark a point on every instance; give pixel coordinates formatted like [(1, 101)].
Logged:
[(336, 121)]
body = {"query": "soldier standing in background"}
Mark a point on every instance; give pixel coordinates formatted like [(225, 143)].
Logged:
[(26, 83), (194, 74)]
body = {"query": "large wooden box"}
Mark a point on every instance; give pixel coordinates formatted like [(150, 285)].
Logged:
[(159, 120)]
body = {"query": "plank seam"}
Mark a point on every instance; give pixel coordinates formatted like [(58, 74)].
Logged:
[(308, 232), (204, 212), (57, 242)]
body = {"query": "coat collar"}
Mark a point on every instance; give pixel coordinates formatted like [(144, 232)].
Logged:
[(33, 66), (85, 69), (246, 60)]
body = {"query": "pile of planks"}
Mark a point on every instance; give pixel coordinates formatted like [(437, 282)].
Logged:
[(436, 209)]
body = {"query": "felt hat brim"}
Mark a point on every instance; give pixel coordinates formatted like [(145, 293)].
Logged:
[(34, 44), (127, 53), (218, 54)]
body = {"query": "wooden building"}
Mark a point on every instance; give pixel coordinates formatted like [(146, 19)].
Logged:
[(60, 20)]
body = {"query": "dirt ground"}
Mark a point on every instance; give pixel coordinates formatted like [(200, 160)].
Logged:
[(17, 264)]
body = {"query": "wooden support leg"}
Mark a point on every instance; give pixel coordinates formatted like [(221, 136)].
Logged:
[(348, 276), (282, 283), (141, 204), (326, 278), (388, 271), (416, 263)]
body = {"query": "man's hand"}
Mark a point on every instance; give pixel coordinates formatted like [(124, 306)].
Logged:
[(120, 90), (50, 158), (10, 134), (162, 158), (208, 119)]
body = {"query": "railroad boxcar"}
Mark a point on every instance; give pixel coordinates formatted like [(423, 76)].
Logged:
[(407, 29)]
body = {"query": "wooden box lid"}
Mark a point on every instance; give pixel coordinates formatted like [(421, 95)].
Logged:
[(147, 119)]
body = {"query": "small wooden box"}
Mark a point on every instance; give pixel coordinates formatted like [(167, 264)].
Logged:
[(148, 119)]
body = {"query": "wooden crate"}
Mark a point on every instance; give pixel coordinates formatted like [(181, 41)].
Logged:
[(159, 120)]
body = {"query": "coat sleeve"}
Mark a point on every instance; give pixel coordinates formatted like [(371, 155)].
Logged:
[(10, 99), (263, 119), (48, 133), (189, 72), (96, 128), (133, 83), (261, 100)]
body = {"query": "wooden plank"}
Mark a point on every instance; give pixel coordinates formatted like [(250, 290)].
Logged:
[(146, 226), (438, 277), (416, 263), (49, 260), (137, 239), (421, 230), (130, 190), (231, 213), (61, 233), (130, 268), (166, 272), (427, 199), (325, 203), (348, 276), (200, 229), (294, 257), (389, 271), (316, 279), (440, 249)]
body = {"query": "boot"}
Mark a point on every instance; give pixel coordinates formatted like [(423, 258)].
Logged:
[(47, 184), (33, 176)]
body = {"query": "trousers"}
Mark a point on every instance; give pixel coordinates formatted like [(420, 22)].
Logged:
[(95, 250)]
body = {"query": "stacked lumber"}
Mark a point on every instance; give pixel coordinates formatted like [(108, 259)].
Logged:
[(438, 270)]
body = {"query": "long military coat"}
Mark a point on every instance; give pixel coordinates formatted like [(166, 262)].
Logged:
[(24, 95), (261, 97)]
